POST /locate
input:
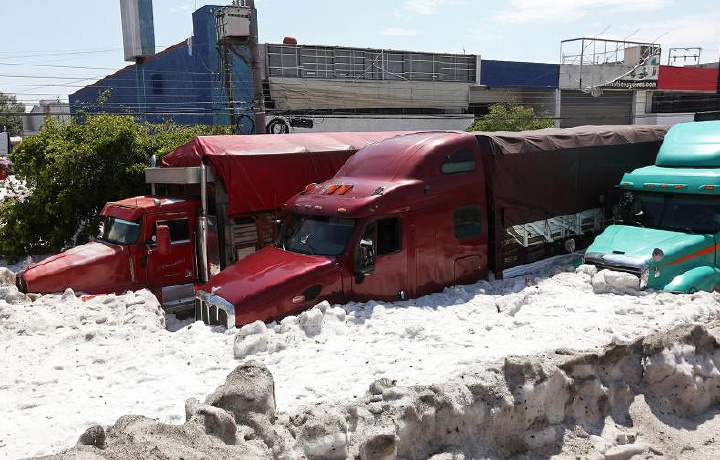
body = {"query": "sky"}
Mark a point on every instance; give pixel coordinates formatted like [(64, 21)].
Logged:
[(49, 49)]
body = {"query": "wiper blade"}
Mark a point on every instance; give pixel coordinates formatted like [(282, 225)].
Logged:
[(631, 222)]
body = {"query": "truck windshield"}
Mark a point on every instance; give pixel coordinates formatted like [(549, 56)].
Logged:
[(685, 213), (326, 236), (119, 231)]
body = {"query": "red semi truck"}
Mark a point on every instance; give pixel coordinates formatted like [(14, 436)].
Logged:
[(413, 214), (214, 201)]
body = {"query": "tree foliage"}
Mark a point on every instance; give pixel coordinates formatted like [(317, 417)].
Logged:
[(9, 108), (73, 169), (510, 117)]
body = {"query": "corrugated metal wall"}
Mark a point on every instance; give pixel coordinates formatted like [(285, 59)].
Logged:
[(309, 93), (183, 83), (611, 108)]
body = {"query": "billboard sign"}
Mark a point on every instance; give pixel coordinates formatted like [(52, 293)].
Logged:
[(642, 76)]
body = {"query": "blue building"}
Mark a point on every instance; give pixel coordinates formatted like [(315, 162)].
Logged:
[(197, 81)]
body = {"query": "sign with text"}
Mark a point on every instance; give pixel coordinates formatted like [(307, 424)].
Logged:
[(642, 76)]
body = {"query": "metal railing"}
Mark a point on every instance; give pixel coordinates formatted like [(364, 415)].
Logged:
[(302, 61)]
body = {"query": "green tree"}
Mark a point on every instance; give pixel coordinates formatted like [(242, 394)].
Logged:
[(10, 109), (73, 169), (510, 117)]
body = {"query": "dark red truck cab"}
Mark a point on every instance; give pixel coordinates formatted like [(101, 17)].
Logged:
[(418, 212), (5, 168)]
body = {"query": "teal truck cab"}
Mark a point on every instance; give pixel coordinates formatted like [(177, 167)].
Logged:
[(667, 228)]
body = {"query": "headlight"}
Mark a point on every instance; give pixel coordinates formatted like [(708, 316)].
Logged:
[(644, 277)]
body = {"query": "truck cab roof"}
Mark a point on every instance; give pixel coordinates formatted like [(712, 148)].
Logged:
[(388, 176), (133, 208), (692, 145), (704, 181), (687, 162)]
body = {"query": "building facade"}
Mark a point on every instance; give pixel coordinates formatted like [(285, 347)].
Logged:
[(197, 81), (208, 80)]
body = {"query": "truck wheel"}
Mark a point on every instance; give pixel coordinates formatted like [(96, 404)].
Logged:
[(692, 290)]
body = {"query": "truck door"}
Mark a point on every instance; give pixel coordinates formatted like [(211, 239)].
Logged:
[(177, 267), (388, 281)]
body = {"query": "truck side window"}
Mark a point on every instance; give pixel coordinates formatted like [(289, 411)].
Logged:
[(458, 162), (179, 232), (388, 236), (467, 222)]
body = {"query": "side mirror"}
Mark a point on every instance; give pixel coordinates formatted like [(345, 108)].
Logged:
[(365, 258), (163, 239), (277, 228), (570, 245)]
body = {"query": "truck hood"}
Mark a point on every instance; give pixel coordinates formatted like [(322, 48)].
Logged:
[(638, 243), (94, 268), (272, 283)]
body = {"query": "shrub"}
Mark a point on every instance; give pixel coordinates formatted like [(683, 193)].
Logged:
[(510, 117), (73, 169)]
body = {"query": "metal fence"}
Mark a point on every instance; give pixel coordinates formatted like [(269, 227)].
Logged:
[(367, 64)]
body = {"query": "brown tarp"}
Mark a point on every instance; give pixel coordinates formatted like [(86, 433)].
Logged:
[(536, 175)]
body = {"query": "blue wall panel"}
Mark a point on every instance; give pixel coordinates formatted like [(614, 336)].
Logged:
[(519, 74), (184, 83)]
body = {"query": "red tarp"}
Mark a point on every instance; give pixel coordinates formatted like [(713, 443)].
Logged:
[(261, 172)]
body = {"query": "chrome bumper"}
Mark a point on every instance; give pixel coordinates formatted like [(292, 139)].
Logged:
[(213, 310), (620, 263)]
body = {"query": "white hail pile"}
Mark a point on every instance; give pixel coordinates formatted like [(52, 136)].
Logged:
[(69, 363), (12, 187)]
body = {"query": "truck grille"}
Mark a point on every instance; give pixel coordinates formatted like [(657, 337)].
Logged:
[(616, 262), (618, 268), (211, 314)]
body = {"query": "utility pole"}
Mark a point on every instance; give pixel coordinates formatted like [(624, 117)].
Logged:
[(237, 25), (256, 66), (140, 83)]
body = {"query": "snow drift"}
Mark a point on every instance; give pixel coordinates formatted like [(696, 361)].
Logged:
[(70, 363), (520, 405)]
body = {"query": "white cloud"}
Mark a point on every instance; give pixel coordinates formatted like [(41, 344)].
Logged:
[(398, 32), (554, 11), (425, 7), (685, 31)]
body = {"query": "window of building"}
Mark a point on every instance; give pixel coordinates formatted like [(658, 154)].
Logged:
[(458, 162), (678, 102), (467, 222)]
